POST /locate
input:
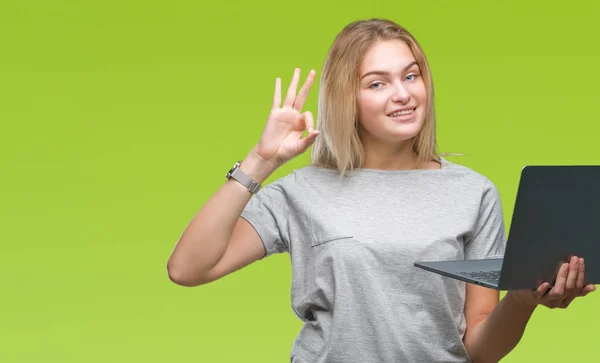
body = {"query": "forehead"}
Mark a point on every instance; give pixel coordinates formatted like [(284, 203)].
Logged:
[(387, 55)]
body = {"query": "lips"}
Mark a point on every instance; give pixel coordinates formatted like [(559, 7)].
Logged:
[(402, 112)]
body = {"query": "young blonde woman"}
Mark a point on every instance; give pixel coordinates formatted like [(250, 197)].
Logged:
[(376, 198)]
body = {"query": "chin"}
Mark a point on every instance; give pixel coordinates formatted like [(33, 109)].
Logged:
[(394, 132), (405, 131)]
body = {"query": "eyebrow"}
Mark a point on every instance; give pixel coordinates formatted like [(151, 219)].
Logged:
[(383, 73)]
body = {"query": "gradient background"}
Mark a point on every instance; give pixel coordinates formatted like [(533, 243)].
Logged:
[(120, 119)]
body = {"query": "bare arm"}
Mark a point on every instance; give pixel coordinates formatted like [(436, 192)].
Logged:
[(218, 241), (493, 330)]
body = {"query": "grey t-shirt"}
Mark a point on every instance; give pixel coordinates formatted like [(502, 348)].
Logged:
[(352, 243)]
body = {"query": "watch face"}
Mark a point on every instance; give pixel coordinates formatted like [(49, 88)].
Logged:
[(235, 166)]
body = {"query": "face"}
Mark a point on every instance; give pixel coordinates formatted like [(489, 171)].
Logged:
[(392, 97)]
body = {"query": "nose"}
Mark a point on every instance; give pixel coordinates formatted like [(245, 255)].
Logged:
[(400, 94)]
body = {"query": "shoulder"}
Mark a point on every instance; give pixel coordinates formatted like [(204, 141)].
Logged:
[(295, 179), (465, 173), (468, 179), (300, 184), (307, 174)]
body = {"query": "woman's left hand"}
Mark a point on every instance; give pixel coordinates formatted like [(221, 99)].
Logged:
[(569, 285)]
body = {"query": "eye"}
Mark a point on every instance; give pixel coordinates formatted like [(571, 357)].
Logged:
[(371, 86), (414, 76)]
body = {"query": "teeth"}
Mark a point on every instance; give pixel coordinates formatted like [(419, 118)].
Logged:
[(402, 113)]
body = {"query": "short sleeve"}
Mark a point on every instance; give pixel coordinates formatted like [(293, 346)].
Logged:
[(267, 212), (488, 238)]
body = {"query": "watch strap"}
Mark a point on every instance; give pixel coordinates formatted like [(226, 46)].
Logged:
[(244, 179)]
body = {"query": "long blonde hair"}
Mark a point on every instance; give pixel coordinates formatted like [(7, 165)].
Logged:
[(338, 145)]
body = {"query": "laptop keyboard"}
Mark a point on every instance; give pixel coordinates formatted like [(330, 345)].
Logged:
[(491, 277)]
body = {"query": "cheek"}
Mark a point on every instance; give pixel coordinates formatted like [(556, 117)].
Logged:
[(421, 92), (370, 105)]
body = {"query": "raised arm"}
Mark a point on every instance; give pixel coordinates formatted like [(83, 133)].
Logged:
[(217, 241)]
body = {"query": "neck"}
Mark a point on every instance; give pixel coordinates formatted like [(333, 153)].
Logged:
[(399, 156)]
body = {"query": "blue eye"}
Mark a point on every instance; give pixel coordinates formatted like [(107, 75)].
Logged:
[(373, 84), (411, 75)]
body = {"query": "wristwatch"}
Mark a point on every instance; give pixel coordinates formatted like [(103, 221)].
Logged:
[(237, 174)]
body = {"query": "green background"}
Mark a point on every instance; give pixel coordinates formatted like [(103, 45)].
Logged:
[(119, 119)]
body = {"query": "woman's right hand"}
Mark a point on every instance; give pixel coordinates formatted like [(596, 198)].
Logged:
[(282, 137)]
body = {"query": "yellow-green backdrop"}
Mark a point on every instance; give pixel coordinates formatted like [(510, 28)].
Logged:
[(119, 119)]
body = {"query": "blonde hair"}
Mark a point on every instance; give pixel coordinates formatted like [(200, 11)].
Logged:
[(338, 145)]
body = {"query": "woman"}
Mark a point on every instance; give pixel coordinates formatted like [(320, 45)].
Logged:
[(376, 198)]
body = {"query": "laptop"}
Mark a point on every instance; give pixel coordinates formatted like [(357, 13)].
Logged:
[(556, 216)]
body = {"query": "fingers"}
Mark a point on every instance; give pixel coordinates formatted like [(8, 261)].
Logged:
[(559, 286), (587, 289), (291, 99), (569, 284), (277, 94), (572, 277), (541, 290), (304, 143), (574, 282), (580, 275), (581, 281), (303, 94), (291, 92), (309, 122)]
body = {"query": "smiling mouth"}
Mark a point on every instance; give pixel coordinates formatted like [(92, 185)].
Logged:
[(402, 114)]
